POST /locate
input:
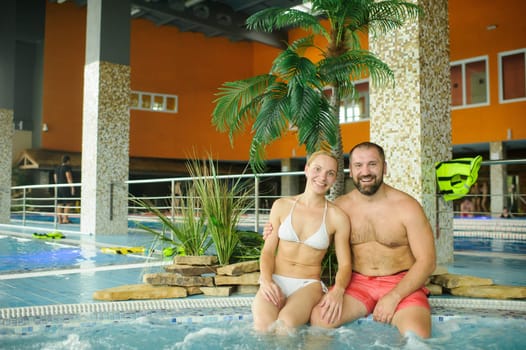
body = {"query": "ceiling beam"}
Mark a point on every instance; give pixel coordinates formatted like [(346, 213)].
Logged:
[(214, 16)]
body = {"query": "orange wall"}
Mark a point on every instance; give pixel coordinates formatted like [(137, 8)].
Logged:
[(63, 76), (177, 63), (469, 38), (189, 65), (162, 60)]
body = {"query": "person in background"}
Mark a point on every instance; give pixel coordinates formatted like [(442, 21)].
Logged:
[(514, 198), (466, 208), (474, 196), (292, 255), (506, 214), (64, 175), (484, 190)]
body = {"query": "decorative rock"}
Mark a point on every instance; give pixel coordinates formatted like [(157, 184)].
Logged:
[(189, 270), (434, 289), (172, 279), (239, 268), (492, 292), (248, 278), (453, 281), (217, 291), (195, 260), (247, 289), (139, 292), (194, 290)]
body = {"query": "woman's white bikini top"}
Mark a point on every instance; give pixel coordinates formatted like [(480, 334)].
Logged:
[(318, 240)]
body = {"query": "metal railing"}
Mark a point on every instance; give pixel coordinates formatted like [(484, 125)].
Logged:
[(39, 202)]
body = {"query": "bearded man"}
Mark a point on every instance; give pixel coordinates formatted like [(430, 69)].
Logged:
[(393, 251)]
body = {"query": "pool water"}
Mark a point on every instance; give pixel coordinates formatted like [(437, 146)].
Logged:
[(18, 254), (486, 244), (161, 331), (502, 269)]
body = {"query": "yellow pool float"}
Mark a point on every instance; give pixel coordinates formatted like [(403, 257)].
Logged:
[(122, 250), (49, 235)]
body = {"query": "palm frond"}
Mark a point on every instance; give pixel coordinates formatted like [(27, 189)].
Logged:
[(318, 129), (297, 71), (237, 102), (274, 113), (354, 65), (276, 18), (304, 101), (291, 61), (384, 16)]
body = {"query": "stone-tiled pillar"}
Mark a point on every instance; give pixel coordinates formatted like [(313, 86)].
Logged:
[(105, 131), (7, 102), (497, 175), (6, 150), (412, 120)]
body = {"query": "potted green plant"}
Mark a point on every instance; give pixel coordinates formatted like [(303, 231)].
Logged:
[(188, 235), (223, 202)]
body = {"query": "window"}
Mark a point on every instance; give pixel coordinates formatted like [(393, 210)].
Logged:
[(153, 102), (469, 83), (356, 109), (512, 76)]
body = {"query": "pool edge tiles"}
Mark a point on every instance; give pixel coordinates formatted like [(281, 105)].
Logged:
[(31, 316), (123, 306), (30, 320)]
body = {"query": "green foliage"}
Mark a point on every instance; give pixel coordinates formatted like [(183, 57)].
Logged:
[(249, 246), (329, 266), (223, 202), (292, 93), (191, 236)]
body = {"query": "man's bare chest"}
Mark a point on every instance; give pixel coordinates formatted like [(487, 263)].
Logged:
[(384, 229)]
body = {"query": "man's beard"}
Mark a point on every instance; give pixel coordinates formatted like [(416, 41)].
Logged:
[(369, 190)]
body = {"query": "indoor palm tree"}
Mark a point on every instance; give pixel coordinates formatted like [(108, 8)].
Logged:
[(302, 93)]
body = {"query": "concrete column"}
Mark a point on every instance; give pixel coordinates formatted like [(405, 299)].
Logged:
[(497, 175), (7, 87), (289, 184), (412, 120), (105, 132)]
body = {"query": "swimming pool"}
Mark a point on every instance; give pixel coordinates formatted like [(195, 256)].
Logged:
[(225, 323), (24, 253), (55, 309)]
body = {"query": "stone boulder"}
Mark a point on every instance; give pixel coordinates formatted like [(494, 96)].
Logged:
[(450, 281), (491, 292), (139, 292), (245, 279), (172, 279), (238, 268)]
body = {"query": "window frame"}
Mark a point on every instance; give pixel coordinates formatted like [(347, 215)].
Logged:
[(153, 105), (366, 105), (463, 64), (501, 75)]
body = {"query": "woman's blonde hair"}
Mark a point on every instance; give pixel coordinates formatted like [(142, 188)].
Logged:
[(312, 156)]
